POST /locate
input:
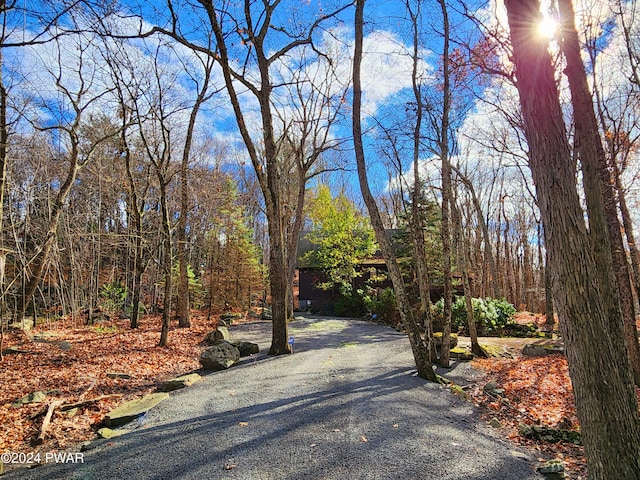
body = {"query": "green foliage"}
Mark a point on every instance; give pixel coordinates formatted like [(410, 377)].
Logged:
[(342, 237), (196, 290), (105, 329), (235, 271), (492, 316), (349, 306), (383, 306), (431, 217), (113, 297)]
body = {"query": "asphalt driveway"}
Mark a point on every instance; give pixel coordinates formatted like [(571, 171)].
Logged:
[(346, 405)]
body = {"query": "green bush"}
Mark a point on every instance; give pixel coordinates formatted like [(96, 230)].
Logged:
[(383, 306), (492, 315), (349, 306)]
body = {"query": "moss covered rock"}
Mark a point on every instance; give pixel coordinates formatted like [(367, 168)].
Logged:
[(437, 338)]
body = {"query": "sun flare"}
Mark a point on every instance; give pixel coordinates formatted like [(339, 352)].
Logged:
[(548, 27)]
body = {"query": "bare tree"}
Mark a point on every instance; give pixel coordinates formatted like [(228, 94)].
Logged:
[(419, 345), (78, 95), (204, 93), (249, 44)]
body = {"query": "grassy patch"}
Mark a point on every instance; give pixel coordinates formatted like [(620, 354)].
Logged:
[(327, 325), (105, 329)]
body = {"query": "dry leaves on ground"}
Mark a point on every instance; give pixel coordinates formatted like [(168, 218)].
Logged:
[(536, 391), (80, 373)]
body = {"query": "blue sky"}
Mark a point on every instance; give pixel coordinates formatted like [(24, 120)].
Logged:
[(385, 71)]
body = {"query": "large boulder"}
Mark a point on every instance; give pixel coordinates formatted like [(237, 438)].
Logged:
[(34, 397), (220, 356), (246, 348), (219, 335), (180, 382)]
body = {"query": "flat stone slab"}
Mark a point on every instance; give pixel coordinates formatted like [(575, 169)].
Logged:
[(34, 397), (108, 433), (44, 337), (180, 382), (14, 351), (129, 411)]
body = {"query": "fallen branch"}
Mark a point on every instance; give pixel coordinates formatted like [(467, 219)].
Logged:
[(93, 384), (70, 406), (47, 421)]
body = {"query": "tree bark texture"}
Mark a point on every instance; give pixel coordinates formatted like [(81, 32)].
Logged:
[(601, 377), (604, 225), (463, 265), (167, 262)]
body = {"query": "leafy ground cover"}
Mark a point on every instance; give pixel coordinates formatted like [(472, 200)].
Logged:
[(537, 391), (78, 370), (74, 365)]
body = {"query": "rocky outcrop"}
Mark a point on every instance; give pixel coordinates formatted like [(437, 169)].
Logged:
[(437, 339), (230, 318), (542, 349), (493, 389), (220, 356), (461, 353), (34, 397), (552, 470), (548, 434), (108, 433)]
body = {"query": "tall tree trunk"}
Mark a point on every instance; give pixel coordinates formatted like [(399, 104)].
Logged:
[(4, 146), (447, 194), (466, 284), (419, 346), (278, 278), (600, 372), (417, 219), (601, 202), (634, 254), (488, 251), (183, 307), (294, 236), (135, 220), (550, 319), (166, 262)]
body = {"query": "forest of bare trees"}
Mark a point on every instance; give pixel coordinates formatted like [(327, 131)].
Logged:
[(158, 158)]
